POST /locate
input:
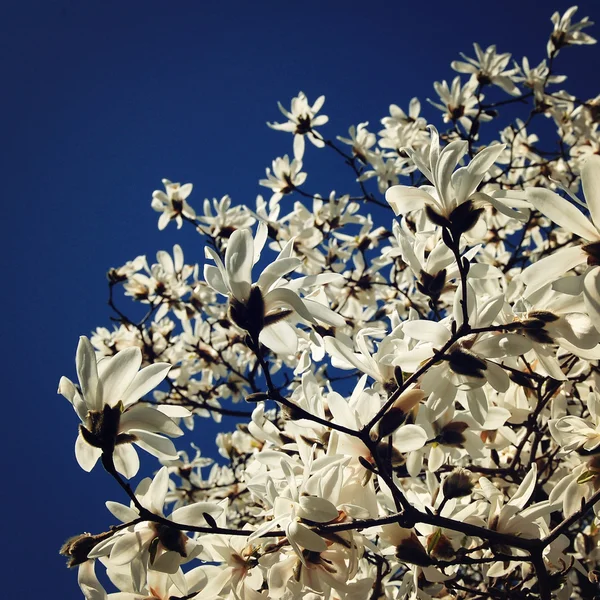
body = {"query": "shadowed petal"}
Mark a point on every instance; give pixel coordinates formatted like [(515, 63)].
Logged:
[(590, 180), (87, 456)]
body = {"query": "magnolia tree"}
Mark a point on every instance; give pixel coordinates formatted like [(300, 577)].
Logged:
[(420, 354)]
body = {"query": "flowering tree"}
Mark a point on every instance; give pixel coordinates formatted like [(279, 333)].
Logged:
[(420, 359)]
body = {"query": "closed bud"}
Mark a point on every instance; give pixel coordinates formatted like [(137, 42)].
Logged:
[(432, 285), (452, 434), (77, 548), (544, 315), (397, 413), (115, 277), (466, 363), (457, 484), (410, 550)]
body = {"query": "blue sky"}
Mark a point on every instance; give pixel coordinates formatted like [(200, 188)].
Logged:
[(101, 101)]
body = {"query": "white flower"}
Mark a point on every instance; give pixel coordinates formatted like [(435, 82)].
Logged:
[(459, 103), (111, 418), (302, 121), (360, 139), (563, 213), (173, 204), (488, 68), (566, 33), (452, 187), (162, 547), (285, 178), (262, 309), (572, 433)]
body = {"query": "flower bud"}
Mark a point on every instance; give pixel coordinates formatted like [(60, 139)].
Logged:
[(78, 547), (397, 413), (457, 484), (439, 546), (466, 363)]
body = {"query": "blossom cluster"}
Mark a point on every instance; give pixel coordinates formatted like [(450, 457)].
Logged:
[(413, 363)]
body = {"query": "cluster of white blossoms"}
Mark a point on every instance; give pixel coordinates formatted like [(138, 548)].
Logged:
[(418, 356)]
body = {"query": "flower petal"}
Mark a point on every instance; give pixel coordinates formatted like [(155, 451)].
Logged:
[(155, 444), (148, 419), (590, 181), (562, 212), (147, 379), (193, 514), (119, 373), (409, 438), (317, 509), (122, 512), (280, 337), (552, 267), (305, 537), (591, 295), (284, 298), (87, 456), (276, 270), (126, 460), (239, 258), (214, 278), (87, 372), (426, 331), (404, 199), (88, 582)]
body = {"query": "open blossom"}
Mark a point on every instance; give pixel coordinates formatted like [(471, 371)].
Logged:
[(111, 419), (155, 543), (285, 178), (172, 205), (563, 213), (459, 102), (302, 120), (262, 308), (488, 68), (360, 139), (452, 187), (566, 33)]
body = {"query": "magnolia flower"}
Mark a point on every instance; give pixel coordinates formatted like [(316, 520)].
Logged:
[(173, 204), (302, 121), (566, 33), (459, 103), (318, 571), (162, 547), (262, 309), (563, 213), (285, 178), (360, 139), (398, 117), (111, 419), (449, 201), (536, 78), (573, 433), (488, 68)]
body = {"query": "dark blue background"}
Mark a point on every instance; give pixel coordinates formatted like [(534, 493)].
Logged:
[(103, 99)]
